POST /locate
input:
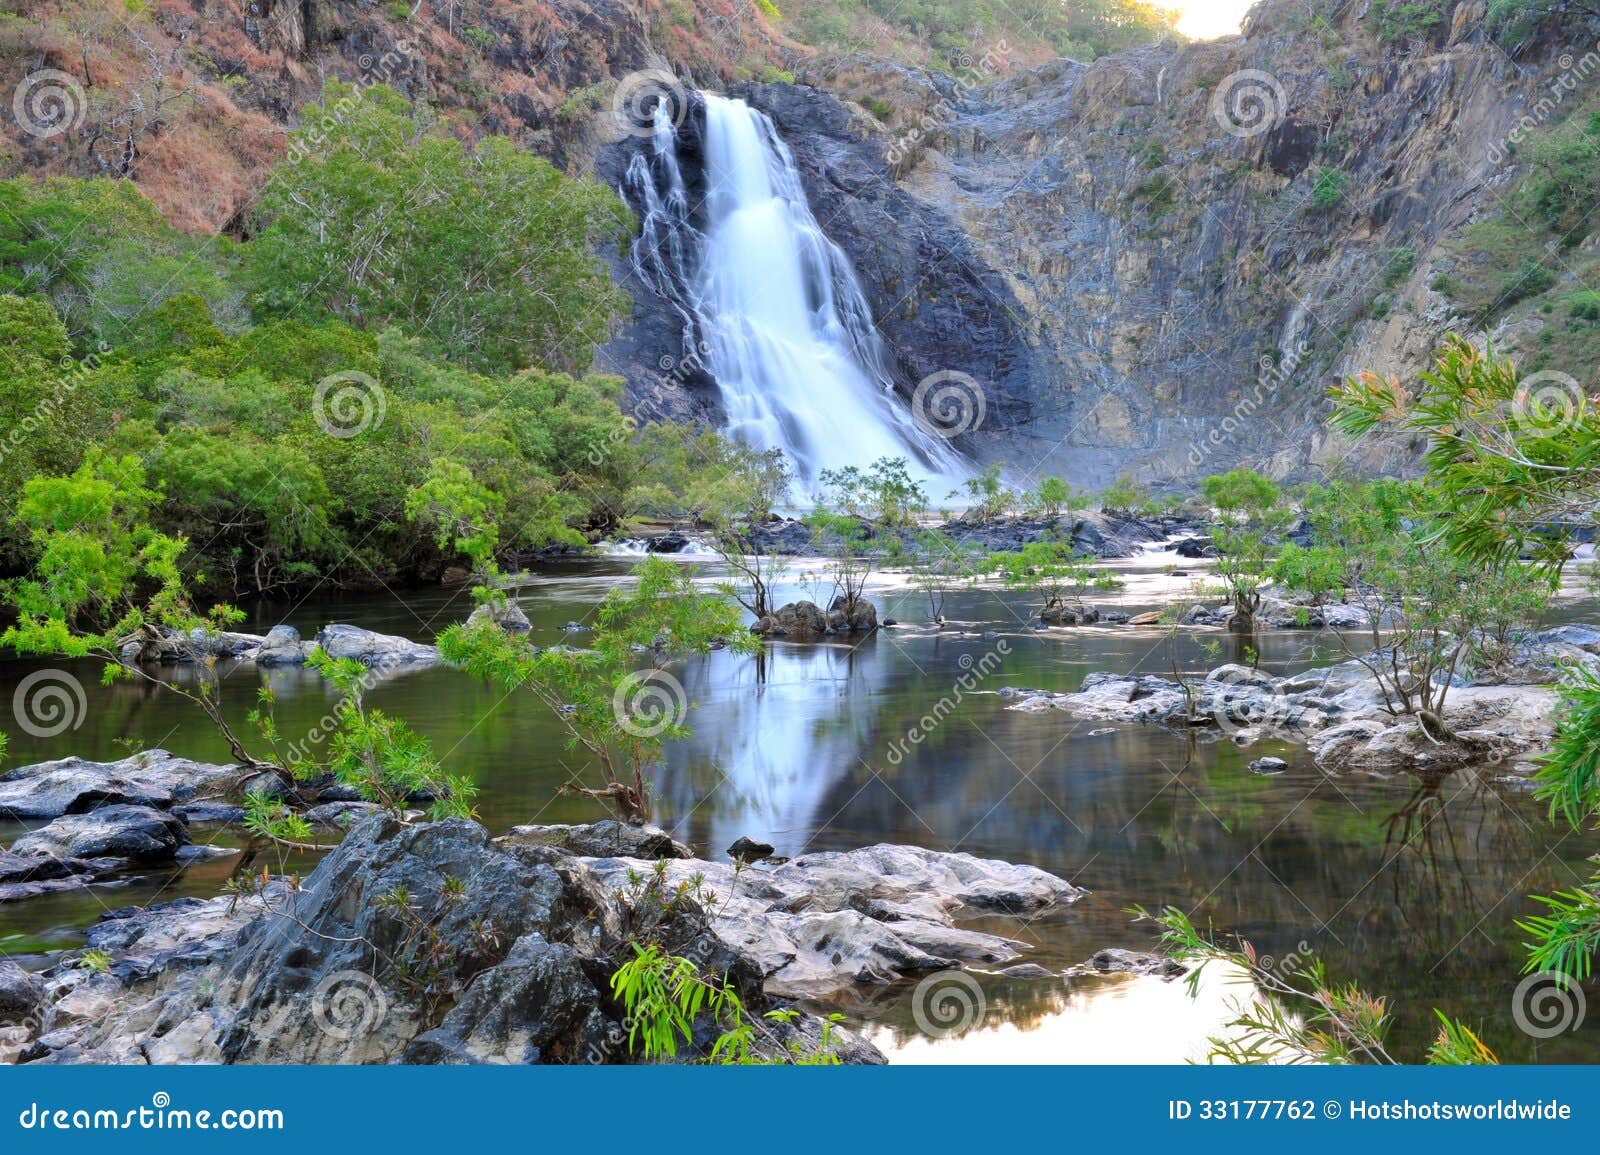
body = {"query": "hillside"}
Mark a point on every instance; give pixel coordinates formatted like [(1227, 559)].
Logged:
[(1139, 283)]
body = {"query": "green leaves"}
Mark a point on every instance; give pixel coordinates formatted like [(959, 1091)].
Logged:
[(1052, 570), (620, 717), (380, 217), (1506, 455), (1294, 1013)]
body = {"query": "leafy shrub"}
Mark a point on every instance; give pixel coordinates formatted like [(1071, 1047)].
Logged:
[(1328, 188), (1584, 305)]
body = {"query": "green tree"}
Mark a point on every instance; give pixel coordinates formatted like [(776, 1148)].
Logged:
[(106, 584), (1049, 497), (988, 497), (737, 491), (1054, 573), (883, 493), (1510, 460), (1251, 520), (1510, 463), (380, 217), (937, 563), (101, 252), (1431, 614), (620, 716)]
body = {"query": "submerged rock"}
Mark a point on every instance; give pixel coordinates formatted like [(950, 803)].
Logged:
[(28, 875), (1116, 960)]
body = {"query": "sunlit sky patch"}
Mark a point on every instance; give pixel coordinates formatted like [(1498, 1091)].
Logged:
[(1207, 19)]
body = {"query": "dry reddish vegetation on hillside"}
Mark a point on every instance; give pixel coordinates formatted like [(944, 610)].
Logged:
[(190, 98)]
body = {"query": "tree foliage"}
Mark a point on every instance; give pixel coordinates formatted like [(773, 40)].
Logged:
[(616, 708), (381, 218)]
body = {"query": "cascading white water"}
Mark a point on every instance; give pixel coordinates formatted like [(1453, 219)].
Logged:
[(785, 330)]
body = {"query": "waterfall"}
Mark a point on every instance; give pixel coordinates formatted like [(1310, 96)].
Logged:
[(772, 309)]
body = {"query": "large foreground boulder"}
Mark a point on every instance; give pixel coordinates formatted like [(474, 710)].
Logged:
[(430, 943)]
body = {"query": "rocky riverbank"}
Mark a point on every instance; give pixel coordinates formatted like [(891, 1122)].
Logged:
[(434, 943), (1341, 713)]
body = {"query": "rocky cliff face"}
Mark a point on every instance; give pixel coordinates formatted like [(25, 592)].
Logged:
[(1158, 263)]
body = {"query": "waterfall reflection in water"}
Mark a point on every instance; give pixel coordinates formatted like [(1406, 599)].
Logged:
[(797, 755)]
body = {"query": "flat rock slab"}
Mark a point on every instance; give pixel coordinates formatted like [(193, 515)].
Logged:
[(28, 876), (606, 839), (1338, 711), (73, 785), (373, 649)]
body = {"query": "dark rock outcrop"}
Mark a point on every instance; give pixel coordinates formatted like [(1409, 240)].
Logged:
[(432, 943), (130, 833)]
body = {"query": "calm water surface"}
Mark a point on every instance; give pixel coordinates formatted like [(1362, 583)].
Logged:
[(834, 746)]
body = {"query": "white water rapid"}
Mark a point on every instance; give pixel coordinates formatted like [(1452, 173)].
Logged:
[(782, 325)]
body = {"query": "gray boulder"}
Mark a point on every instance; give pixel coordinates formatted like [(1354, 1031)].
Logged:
[(799, 620), (20, 992), (860, 617), (605, 839), (131, 833), (282, 647), (508, 615), (73, 785), (373, 649)]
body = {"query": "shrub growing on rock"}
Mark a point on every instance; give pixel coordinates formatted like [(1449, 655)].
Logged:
[(616, 713)]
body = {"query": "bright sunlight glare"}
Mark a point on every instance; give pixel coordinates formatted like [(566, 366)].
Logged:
[(1209, 19)]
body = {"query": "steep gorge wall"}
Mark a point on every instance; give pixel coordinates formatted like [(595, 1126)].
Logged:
[(1188, 281)]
